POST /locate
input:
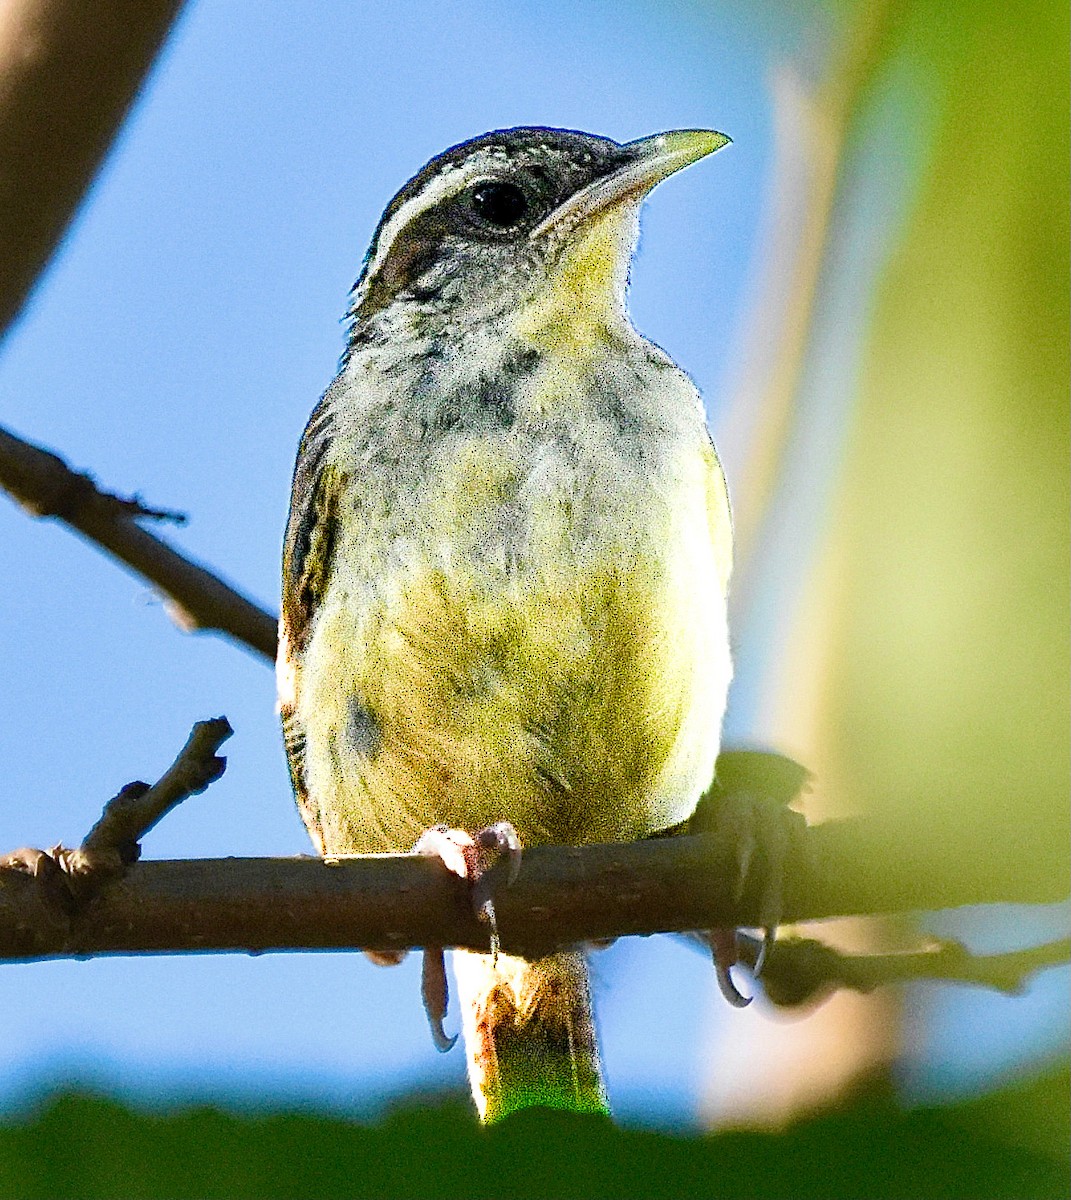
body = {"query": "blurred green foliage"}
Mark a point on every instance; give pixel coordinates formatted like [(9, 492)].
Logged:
[(80, 1145), (950, 694)]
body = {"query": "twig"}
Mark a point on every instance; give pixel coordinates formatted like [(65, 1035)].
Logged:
[(68, 74), (53, 888), (801, 971), (128, 816), (134, 506), (198, 600)]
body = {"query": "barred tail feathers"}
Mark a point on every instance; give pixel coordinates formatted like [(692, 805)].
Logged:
[(529, 1033)]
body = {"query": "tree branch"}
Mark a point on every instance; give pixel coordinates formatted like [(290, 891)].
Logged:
[(69, 72), (562, 896), (197, 599), (91, 901), (130, 815), (801, 971)]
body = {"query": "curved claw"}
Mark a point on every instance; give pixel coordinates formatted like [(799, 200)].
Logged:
[(435, 992), (729, 989), (440, 1038), (483, 902), (722, 944), (769, 934), (443, 1042)]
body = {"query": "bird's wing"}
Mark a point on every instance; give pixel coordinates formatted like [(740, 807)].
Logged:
[(308, 550)]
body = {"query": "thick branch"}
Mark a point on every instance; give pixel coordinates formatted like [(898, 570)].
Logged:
[(562, 896), (92, 901), (69, 71), (46, 487)]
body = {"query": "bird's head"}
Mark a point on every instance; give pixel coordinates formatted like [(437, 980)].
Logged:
[(535, 226)]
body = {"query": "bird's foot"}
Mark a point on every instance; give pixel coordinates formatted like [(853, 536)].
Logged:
[(385, 958), (725, 950), (471, 857), (435, 992), (748, 809), (761, 832)]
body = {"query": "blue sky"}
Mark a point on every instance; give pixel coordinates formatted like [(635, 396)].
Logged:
[(175, 348)]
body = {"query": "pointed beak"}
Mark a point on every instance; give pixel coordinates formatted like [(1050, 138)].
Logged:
[(655, 158)]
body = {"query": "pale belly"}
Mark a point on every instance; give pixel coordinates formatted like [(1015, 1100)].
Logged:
[(547, 648)]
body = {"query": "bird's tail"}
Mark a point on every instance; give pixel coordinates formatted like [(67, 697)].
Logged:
[(529, 1033)]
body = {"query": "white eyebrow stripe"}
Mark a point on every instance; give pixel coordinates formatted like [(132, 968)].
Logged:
[(449, 182)]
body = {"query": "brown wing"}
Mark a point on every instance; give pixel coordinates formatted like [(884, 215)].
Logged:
[(308, 550)]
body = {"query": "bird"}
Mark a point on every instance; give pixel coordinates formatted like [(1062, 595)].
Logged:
[(506, 565)]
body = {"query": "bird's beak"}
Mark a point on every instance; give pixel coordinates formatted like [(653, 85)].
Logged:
[(655, 158)]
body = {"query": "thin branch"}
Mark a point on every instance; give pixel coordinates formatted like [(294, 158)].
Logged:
[(54, 888), (803, 971), (136, 508), (198, 600), (69, 72), (130, 815)]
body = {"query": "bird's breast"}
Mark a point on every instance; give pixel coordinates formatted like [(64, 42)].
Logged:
[(530, 618)]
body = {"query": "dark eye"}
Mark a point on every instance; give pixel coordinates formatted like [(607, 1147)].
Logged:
[(501, 204)]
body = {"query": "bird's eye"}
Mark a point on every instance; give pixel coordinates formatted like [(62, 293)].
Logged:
[(501, 204)]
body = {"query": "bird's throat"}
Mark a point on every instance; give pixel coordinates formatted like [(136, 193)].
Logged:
[(583, 298)]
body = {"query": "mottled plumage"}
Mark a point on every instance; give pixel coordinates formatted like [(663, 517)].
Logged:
[(507, 557)]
